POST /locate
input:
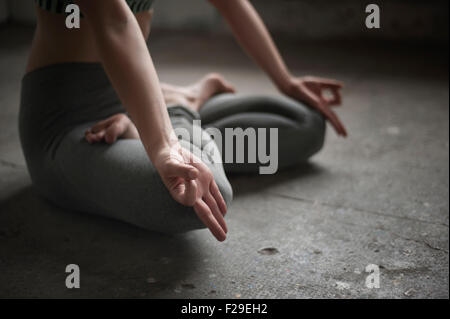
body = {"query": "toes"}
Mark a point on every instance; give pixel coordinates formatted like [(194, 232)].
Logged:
[(100, 126), (229, 88), (95, 137), (114, 131), (214, 77), (108, 130), (218, 81)]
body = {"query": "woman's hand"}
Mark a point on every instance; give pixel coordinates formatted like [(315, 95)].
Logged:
[(252, 34), (191, 183), (311, 90), (124, 55)]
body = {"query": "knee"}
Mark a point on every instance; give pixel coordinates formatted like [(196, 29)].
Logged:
[(306, 138), (309, 123), (317, 128)]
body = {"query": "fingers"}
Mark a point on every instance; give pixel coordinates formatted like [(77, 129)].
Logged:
[(214, 189), (211, 202), (334, 120), (206, 216), (178, 192), (318, 85), (330, 83), (190, 192), (336, 98), (182, 170), (312, 99), (320, 104), (184, 192)]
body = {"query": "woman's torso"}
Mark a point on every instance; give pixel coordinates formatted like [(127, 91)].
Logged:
[(54, 43)]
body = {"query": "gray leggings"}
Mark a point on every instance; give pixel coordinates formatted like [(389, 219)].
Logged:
[(59, 102)]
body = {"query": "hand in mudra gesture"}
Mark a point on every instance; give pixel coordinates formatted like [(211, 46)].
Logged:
[(191, 183), (311, 90)]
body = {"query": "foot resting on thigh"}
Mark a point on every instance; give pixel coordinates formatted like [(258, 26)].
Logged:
[(116, 127), (195, 96)]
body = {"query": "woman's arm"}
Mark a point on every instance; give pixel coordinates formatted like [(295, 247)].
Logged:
[(126, 60), (255, 39)]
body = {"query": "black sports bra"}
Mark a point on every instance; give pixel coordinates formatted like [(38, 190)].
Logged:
[(59, 6)]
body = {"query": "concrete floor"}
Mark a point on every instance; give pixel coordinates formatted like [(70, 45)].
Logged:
[(379, 197)]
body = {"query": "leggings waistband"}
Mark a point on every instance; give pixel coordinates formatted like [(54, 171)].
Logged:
[(48, 71), (59, 97), (81, 83)]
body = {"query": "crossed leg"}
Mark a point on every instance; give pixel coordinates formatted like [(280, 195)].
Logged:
[(194, 96), (300, 129)]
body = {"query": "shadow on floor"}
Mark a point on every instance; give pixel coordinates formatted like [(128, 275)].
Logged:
[(249, 184), (38, 240)]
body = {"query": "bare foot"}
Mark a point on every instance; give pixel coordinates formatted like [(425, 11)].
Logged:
[(111, 129), (196, 95)]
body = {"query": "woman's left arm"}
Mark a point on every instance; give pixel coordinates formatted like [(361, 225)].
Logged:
[(253, 36)]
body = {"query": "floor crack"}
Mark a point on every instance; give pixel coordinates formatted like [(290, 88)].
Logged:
[(309, 201), (423, 242)]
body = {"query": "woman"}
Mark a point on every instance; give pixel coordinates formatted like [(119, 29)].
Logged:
[(98, 83)]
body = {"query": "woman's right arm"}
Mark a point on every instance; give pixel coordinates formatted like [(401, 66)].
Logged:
[(127, 61)]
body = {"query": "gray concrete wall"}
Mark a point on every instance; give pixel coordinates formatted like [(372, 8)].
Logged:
[(414, 20), (318, 19), (186, 15), (400, 19)]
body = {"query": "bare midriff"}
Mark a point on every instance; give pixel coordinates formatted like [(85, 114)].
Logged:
[(53, 43)]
